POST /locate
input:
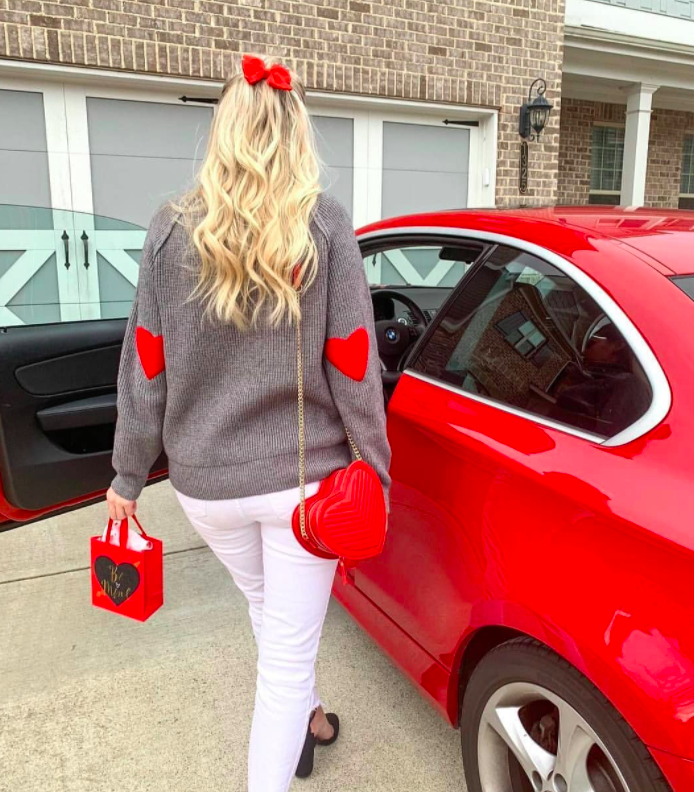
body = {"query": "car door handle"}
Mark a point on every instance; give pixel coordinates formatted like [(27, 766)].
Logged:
[(77, 414)]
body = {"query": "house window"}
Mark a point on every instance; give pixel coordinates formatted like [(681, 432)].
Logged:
[(687, 184), (521, 333), (606, 165)]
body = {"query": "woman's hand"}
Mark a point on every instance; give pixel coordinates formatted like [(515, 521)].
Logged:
[(119, 508)]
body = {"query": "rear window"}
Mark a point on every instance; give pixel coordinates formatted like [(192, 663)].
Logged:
[(686, 284)]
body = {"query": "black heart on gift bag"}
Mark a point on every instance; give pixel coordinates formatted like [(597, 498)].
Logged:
[(119, 581)]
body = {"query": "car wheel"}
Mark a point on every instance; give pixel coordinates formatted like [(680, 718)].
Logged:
[(532, 723)]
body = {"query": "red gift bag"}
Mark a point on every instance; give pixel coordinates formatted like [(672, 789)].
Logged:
[(125, 581)]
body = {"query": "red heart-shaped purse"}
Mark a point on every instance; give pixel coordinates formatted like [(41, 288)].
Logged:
[(346, 518)]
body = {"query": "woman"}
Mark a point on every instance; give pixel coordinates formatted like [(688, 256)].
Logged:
[(208, 373)]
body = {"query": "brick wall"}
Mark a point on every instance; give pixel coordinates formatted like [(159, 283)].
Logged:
[(668, 128), (475, 52), (574, 151), (575, 144), (666, 139)]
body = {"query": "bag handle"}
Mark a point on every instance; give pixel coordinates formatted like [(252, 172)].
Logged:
[(123, 531), (302, 438)]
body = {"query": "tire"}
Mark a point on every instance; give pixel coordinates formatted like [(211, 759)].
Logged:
[(522, 688)]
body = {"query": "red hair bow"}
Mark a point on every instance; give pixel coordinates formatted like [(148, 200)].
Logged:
[(255, 70)]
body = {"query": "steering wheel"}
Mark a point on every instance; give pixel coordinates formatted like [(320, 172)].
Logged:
[(395, 338)]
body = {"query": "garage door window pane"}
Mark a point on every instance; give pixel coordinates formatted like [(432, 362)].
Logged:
[(425, 168), (141, 154), (24, 153), (525, 335), (335, 139)]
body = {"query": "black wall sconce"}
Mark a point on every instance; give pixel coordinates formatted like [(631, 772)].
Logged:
[(534, 112)]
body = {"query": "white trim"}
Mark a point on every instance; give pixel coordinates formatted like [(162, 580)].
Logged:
[(594, 53), (55, 120), (475, 182), (340, 100), (505, 407), (598, 89), (360, 176), (22, 239), (374, 198), (78, 147), (662, 395), (68, 279), (629, 22)]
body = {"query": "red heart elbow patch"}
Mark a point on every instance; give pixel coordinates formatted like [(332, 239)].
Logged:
[(350, 355), (150, 350)]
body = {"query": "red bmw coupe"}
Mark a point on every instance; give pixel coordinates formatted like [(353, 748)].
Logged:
[(536, 585)]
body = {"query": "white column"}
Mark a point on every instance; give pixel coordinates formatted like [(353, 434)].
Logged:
[(639, 101)]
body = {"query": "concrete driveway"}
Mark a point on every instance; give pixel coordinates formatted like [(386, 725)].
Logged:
[(93, 701)]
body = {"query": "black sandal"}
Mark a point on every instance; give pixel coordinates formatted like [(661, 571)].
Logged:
[(305, 766), (334, 721)]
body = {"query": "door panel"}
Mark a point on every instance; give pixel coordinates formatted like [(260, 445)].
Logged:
[(69, 373), (57, 412), (58, 375)]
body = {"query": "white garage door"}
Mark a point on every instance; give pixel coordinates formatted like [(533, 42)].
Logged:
[(93, 175)]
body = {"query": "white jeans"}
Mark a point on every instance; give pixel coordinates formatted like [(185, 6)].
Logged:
[(288, 591)]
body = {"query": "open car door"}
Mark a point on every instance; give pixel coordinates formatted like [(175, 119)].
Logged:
[(67, 281)]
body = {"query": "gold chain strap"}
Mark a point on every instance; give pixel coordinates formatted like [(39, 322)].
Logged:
[(302, 438)]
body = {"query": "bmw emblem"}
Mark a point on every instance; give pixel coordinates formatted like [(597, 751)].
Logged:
[(392, 335)]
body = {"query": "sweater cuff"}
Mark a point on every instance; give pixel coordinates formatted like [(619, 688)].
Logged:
[(128, 487)]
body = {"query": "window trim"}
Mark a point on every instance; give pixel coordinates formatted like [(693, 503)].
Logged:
[(661, 394), (687, 134), (609, 125)]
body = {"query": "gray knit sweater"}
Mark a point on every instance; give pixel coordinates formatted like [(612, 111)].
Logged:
[(223, 403)]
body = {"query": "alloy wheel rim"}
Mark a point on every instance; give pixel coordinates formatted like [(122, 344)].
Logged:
[(532, 740)]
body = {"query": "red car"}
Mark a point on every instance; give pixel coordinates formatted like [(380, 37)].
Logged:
[(536, 584)]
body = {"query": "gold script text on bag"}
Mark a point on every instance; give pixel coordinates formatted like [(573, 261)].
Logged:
[(346, 519)]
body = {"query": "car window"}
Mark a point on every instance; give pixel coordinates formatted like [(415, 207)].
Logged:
[(524, 334), (686, 284), (420, 265), (426, 273), (62, 266)]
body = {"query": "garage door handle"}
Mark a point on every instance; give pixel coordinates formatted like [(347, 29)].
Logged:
[(85, 242), (66, 241), (77, 414)]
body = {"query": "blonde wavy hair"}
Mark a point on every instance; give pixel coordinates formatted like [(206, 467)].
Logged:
[(249, 211)]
